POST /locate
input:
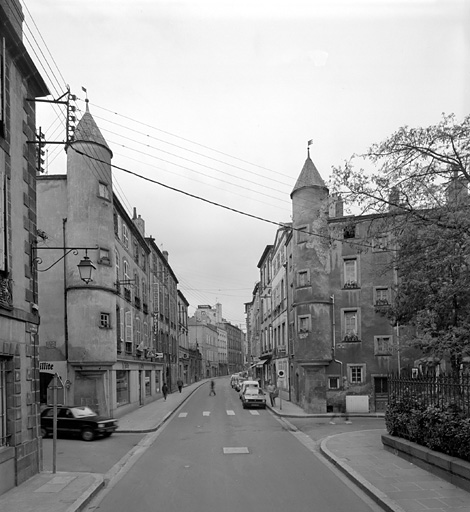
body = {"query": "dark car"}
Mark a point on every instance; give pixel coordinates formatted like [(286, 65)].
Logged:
[(78, 420)]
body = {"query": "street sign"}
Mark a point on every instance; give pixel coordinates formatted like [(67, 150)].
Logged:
[(159, 355), (56, 384)]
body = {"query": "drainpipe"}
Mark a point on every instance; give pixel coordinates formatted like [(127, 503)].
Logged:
[(334, 337), (66, 329)]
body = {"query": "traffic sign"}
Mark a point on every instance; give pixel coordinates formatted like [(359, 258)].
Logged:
[(281, 374)]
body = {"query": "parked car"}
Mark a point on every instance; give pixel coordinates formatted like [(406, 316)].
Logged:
[(78, 420), (253, 397), (248, 384), (239, 382)]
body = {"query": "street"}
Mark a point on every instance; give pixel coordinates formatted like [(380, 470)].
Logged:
[(215, 456)]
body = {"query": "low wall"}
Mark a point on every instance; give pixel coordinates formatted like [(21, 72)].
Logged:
[(451, 469)]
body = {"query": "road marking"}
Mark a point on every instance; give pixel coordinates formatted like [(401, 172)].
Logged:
[(235, 449), (254, 413), (182, 415), (230, 412), (206, 413)]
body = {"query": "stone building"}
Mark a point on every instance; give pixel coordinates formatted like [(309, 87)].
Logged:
[(20, 84), (322, 337), (114, 339)]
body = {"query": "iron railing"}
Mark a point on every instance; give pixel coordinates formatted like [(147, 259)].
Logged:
[(430, 390)]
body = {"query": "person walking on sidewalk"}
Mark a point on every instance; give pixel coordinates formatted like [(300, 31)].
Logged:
[(179, 383), (271, 389), (164, 390), (212, 392)]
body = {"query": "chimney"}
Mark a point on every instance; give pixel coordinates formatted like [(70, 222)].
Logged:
[(139, 223), (336, 206)]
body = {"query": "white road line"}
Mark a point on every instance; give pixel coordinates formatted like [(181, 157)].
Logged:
[(230, 412), (182, 415), (235, 449), (254, 413), (206, 413)]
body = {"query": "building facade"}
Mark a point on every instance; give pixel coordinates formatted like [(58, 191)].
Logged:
[(323, 338), (20, 84), (113, 340)]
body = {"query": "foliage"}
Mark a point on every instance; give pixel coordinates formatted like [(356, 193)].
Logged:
[(417, 191), (443, 428)]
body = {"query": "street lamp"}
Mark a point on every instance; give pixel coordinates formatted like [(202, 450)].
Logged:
[(85, 268)]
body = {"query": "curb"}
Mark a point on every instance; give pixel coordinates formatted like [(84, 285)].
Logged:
[(164, 419), (377, 495), (88, 495)]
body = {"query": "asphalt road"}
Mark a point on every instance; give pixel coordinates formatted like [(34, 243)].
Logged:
[(214, 456)]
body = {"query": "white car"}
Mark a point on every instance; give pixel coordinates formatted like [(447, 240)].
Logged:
[(252, 395)]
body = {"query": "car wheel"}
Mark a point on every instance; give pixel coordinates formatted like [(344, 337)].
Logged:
[(44, 432), (88, 434)]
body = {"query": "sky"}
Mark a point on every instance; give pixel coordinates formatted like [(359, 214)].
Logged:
[(215, 100)]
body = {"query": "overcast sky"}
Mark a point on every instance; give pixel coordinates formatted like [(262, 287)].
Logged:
[(218, 99)]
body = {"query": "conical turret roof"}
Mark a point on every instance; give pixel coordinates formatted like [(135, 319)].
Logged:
[(87, 131), (309, 177)]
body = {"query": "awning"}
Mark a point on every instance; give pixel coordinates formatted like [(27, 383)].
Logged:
[(261, 363)]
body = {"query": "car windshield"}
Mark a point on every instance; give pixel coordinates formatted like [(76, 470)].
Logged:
[(82, 412)]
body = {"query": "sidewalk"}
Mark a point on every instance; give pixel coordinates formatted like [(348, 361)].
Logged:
[(396, 485)]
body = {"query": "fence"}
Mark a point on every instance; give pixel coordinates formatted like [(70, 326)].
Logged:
[(440, 390)]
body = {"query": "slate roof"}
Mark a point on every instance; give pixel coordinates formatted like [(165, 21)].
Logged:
[(87, 131), (309, 177)]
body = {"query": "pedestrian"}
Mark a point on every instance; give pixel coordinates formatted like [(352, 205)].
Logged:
[(212, 388), (179, 383), (164, 390), (271, 389)]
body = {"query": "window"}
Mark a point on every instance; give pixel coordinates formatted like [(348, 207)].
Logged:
[(136, 251), (128, 326), (104, 257), (350, 325), (122, 387), (105, 321), (382, 345), (356, 373), (350, 273), (103, 190), (304, 324), (3, 402), (349, 231), (333, 382), (125, 235), (118, 266), (303, 278), (302, 234), (381, 296)]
